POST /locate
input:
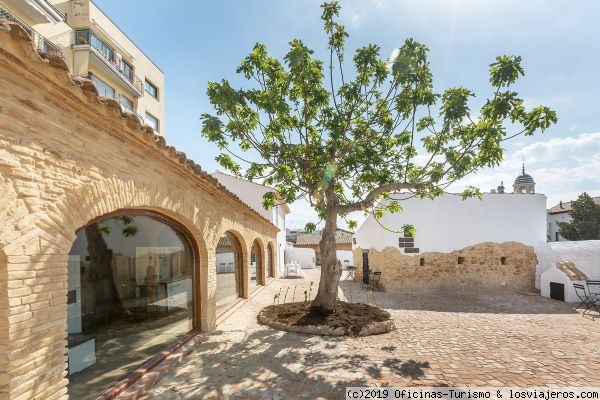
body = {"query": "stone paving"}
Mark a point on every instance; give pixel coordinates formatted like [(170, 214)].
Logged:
[(457, 339)]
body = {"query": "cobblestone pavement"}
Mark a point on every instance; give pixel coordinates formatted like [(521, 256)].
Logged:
[(457, 339)]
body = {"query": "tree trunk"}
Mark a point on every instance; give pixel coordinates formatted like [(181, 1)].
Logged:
[(331, 268)]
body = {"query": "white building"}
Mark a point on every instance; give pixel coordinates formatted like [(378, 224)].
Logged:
[(560, 213), (450, 223), (252, 194)]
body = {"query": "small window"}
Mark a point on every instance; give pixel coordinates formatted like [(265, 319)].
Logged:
[(104, 89), (127, 70), (503, 260), (422, 262), (151, 89), (461, 260), (152, 121), (126, 103)]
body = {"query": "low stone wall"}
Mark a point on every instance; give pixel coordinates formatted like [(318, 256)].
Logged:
[(509, 265)]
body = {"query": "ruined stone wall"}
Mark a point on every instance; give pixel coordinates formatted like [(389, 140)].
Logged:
[(487, 265), (68, 156)]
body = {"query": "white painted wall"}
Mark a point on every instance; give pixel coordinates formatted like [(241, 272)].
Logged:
[(279, 215), (553, 220), (585, 254), (252, 194), (346, 257), (304, 257), (448, 223)]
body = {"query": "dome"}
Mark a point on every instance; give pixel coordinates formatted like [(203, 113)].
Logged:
[(524, 178)]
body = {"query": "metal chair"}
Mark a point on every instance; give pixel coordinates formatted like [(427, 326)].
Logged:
[(587, 300), (349, 273), (593, 288)]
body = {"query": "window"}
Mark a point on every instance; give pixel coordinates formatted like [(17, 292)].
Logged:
[(130, 285), (256, 265), (127, 70), (229, 271), (152, 121), (151, 89), (126, 103), (104, 89)]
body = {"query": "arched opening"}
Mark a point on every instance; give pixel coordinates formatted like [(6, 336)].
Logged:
[(257, 266), (270, 261), (229, 271), (130, 293)]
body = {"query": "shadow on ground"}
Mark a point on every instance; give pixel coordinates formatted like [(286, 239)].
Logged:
[(271, 364), (463, 301)]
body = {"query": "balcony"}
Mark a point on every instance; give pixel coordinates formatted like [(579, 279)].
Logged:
[(110, 61), (41, 43)]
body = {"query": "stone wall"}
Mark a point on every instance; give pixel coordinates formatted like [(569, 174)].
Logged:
[(68, 156), (487, 265)]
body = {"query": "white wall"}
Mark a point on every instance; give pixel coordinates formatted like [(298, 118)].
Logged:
[(279, 213), (252, 194), (346, 257), (304, 257), (553, 220), (448, 223), (249, 192), (585, 254)]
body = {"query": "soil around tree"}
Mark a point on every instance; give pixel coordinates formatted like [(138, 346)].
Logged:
[(348, 319)]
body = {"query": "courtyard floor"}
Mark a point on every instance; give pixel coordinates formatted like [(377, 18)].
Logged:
[(456, 339)]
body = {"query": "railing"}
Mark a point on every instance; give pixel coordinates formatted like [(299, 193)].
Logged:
[(106, 90), (56, 10), (40, 42), (89, 38)]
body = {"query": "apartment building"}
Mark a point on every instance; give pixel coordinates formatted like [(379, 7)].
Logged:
[(94, 47)]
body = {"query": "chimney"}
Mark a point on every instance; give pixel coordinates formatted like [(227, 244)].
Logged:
[(560, 204), (501, 187)]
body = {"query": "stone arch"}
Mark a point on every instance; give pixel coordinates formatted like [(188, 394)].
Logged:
[(112, 196), (241, 246), (261, 273), (271, 260)]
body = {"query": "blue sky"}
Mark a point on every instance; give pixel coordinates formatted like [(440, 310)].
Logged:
[(199, 41)]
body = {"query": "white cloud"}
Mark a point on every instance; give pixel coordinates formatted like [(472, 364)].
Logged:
[(562, 167)]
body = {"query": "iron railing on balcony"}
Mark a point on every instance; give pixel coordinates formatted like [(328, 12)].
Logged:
[(40, 42), (101, 48), (105, 90)]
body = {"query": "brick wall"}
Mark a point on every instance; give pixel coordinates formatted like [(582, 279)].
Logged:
[(487, 265), (66, 157)]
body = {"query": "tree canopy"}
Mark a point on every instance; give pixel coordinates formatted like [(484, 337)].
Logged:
[(382, 127), (585, 220), (344, 139)]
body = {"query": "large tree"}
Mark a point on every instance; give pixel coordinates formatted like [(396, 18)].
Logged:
[(342, 140), (585, 220)]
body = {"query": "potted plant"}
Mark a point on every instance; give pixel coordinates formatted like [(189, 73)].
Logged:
[(409, 230)]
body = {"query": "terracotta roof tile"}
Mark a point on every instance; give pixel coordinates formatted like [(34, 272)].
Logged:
[(566, 206), (137, 126), (312, 238)]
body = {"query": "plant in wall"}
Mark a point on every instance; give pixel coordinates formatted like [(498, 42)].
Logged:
[(409, 230)]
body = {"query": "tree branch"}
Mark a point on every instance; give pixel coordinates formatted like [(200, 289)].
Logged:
[(372, 196)]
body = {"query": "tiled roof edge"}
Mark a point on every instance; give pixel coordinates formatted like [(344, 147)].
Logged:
[(54, 61)]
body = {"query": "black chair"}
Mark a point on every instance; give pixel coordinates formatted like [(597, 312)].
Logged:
[(349, 273), (594, 291), (587, 300), (593, 288)]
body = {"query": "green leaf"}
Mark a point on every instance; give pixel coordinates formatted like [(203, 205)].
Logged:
[(310, 227)]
